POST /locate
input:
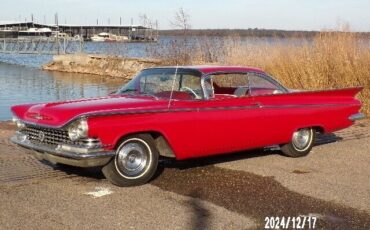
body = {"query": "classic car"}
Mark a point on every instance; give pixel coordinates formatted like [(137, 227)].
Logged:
[(181, 112)]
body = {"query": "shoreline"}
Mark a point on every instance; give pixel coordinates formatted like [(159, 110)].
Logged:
[(101, 65)]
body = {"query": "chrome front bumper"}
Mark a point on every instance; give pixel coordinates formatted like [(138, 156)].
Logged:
[(69, 155)]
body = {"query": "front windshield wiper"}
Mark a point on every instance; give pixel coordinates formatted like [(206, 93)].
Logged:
[(130, 91)]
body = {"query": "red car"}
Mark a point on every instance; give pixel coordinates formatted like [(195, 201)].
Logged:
[(181, 112)]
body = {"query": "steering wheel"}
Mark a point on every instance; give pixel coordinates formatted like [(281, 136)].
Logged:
[(190, 90)]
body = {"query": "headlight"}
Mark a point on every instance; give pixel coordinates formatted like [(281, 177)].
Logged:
[(78, 129), (18, 122)]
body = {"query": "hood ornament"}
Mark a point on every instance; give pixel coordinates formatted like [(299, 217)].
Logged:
[(38, 117)]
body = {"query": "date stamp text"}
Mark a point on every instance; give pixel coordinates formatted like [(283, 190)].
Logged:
[(288, 222)]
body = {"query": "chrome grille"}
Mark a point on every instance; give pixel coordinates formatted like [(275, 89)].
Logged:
[(49, 136)]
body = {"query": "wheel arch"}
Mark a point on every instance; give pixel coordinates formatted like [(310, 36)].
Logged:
[(319, 129), (316, 128), (160, 141)]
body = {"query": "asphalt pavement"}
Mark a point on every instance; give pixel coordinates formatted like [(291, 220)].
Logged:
[(236, 191)]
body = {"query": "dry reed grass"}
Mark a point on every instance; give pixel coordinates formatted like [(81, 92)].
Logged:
[(327, 61)]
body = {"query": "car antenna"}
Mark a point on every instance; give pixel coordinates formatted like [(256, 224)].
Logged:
[(173, 87)]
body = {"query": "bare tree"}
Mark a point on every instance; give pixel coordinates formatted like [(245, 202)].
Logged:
[(181, 20), (181, 47), (145, 21)]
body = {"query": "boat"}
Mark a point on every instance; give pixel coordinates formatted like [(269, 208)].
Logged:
[(99, 37), (8, 33), (35, 32), (108, 37), (57, 34)]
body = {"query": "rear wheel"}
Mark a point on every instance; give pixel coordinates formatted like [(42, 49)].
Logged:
[(135, 162), (301, 143)]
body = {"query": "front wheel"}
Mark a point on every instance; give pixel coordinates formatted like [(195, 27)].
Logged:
[(135, 162), (301, 143)]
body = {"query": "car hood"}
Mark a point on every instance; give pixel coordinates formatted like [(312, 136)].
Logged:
[(60, 113)]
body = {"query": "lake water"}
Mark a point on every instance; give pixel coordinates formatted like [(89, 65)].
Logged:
[(21, 84), (22, 81), (142, 50)]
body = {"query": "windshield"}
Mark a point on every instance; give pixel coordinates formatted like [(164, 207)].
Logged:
[(182, 84)]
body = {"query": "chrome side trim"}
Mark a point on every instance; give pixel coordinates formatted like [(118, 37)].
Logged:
[(356, 116), (165, 110)]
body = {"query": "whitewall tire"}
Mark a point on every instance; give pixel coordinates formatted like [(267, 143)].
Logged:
[(135, 162)]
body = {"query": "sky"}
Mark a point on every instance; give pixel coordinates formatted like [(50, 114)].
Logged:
[(204, 14)]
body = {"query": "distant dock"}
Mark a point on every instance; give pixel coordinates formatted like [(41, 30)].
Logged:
[(134, 33), (36, 38)]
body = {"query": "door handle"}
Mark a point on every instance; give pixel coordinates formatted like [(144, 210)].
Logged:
[(257, 104)]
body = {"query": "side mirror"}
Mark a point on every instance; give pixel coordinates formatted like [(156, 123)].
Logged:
[(112, 92)]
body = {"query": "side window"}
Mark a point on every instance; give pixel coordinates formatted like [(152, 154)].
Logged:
[(228, 85), (260, 86), (230, 80)]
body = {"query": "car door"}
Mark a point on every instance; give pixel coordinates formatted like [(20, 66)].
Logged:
[(275, 113), (226, 120), (182, 118), (232, 116)]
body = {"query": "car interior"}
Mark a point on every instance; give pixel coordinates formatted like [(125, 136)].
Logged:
[(241, 85), (219, 86)]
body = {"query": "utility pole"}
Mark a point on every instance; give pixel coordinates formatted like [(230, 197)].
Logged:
[(120, 21), (56, 19), (156, 28)]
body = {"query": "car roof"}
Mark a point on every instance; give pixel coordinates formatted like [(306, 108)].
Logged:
[(206, 69)]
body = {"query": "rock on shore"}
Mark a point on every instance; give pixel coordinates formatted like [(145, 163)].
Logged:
[(100, 65)]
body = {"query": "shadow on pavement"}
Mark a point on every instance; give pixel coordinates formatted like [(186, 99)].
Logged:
[(201, 215), (327, 138), (255, 196), (92, 173)]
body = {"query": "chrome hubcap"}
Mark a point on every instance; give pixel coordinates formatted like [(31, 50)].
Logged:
[(301, 138), (132, 159)]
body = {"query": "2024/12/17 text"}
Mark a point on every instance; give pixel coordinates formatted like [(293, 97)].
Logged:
[(299, 222)]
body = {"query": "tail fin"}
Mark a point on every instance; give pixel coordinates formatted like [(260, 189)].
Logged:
[(345, 92)]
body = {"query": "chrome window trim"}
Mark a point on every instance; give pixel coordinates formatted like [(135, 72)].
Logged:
[(260, 74), (178, 70)]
